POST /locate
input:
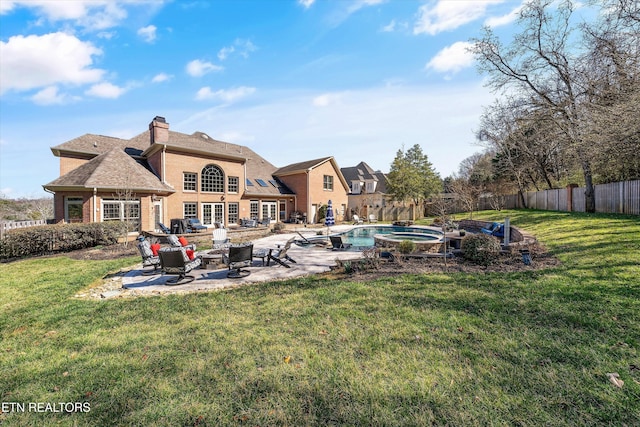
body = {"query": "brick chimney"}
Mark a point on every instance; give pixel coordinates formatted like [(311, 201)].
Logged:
[(159, 130)]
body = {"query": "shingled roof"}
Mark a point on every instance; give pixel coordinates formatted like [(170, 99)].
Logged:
[(364, 172), (259, 170), (112, 170), (93, 145)]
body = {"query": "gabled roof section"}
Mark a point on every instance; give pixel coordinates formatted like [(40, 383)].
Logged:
[(303, 167), (112, 170), (363, 172), (90, 145)]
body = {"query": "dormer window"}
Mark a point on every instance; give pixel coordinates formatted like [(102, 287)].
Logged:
[(212, 180)]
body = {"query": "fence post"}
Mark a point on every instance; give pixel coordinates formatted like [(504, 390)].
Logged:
[(570, 188)]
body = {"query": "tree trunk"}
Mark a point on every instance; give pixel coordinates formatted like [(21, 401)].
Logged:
[(589, 192)]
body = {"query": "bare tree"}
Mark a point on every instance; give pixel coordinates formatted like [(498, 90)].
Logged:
[(541, 62)]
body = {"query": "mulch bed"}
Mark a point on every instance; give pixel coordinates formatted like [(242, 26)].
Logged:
[(507, 263)]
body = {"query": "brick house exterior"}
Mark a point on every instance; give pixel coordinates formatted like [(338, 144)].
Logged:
[(159, 175)]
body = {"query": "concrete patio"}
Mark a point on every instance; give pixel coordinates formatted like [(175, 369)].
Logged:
[(309, 260)]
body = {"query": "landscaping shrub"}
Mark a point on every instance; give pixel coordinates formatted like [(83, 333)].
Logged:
[(480, 249), (47, 239), (407, 246)]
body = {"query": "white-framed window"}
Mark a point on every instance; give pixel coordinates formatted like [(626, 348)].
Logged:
[(189, 210), (254, 209), (189, 181), (233, 213), (371, 186), (356, 187), (127, 211), (212, 179), (233, 184), (327, 182)]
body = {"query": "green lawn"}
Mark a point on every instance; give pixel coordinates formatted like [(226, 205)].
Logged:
[(448, 349)]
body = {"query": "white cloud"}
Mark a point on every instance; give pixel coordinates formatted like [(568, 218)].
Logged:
[(306, 3), (224, 52), (37, 61), (148, 33), (226, 95), (49, 96), (389, 28), (498, 21), (449, 15), (105, 90), (90, 14), (161, 77), (452, 58), (327, 99), (198, 68), (240, 47)]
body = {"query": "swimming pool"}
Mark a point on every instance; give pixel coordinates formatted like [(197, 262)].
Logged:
[(364, 236)]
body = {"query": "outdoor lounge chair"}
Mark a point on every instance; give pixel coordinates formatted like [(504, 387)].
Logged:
[(164, 228), (176, 261), (373, 218), (337, 243), (148, 259), (496, 229), (194, 225), (237, 258), (279, 255), (357, 220)]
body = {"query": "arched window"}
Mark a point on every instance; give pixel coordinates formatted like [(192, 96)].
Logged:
[(212, 179)]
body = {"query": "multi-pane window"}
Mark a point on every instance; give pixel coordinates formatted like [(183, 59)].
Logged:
[(327, 182), (232, 184), (127, 211), (232, 216), (189, 182), (190, 210), (212, 180), (254, 209)]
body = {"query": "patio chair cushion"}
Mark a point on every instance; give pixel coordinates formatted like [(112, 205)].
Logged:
[(183, 241), (155, 248)]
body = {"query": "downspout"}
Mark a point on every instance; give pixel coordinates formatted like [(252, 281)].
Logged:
[(308, 196), (95, 208), (164, 163)]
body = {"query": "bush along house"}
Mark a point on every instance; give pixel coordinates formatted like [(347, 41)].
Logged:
[(160, 175)]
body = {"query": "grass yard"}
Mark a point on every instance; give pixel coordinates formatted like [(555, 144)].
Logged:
[(457, 349)]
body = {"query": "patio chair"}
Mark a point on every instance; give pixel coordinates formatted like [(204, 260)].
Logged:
[(220, 239), (164, 228), (357, 220), (179, 242), (237, 258), (279, 255), (337, 243), (194, 225), (176, 261), (148, 258), (495, 229), (373, 218)]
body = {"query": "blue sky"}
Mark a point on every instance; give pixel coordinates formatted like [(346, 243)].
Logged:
[(293, 80)]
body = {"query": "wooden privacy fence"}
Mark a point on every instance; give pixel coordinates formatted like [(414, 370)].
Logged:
[(11, 225), (616, 197)]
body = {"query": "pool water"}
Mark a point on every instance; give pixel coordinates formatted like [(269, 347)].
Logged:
[(362, 237)]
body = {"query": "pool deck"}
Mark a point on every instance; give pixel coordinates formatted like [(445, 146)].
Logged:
[(309, 260)]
